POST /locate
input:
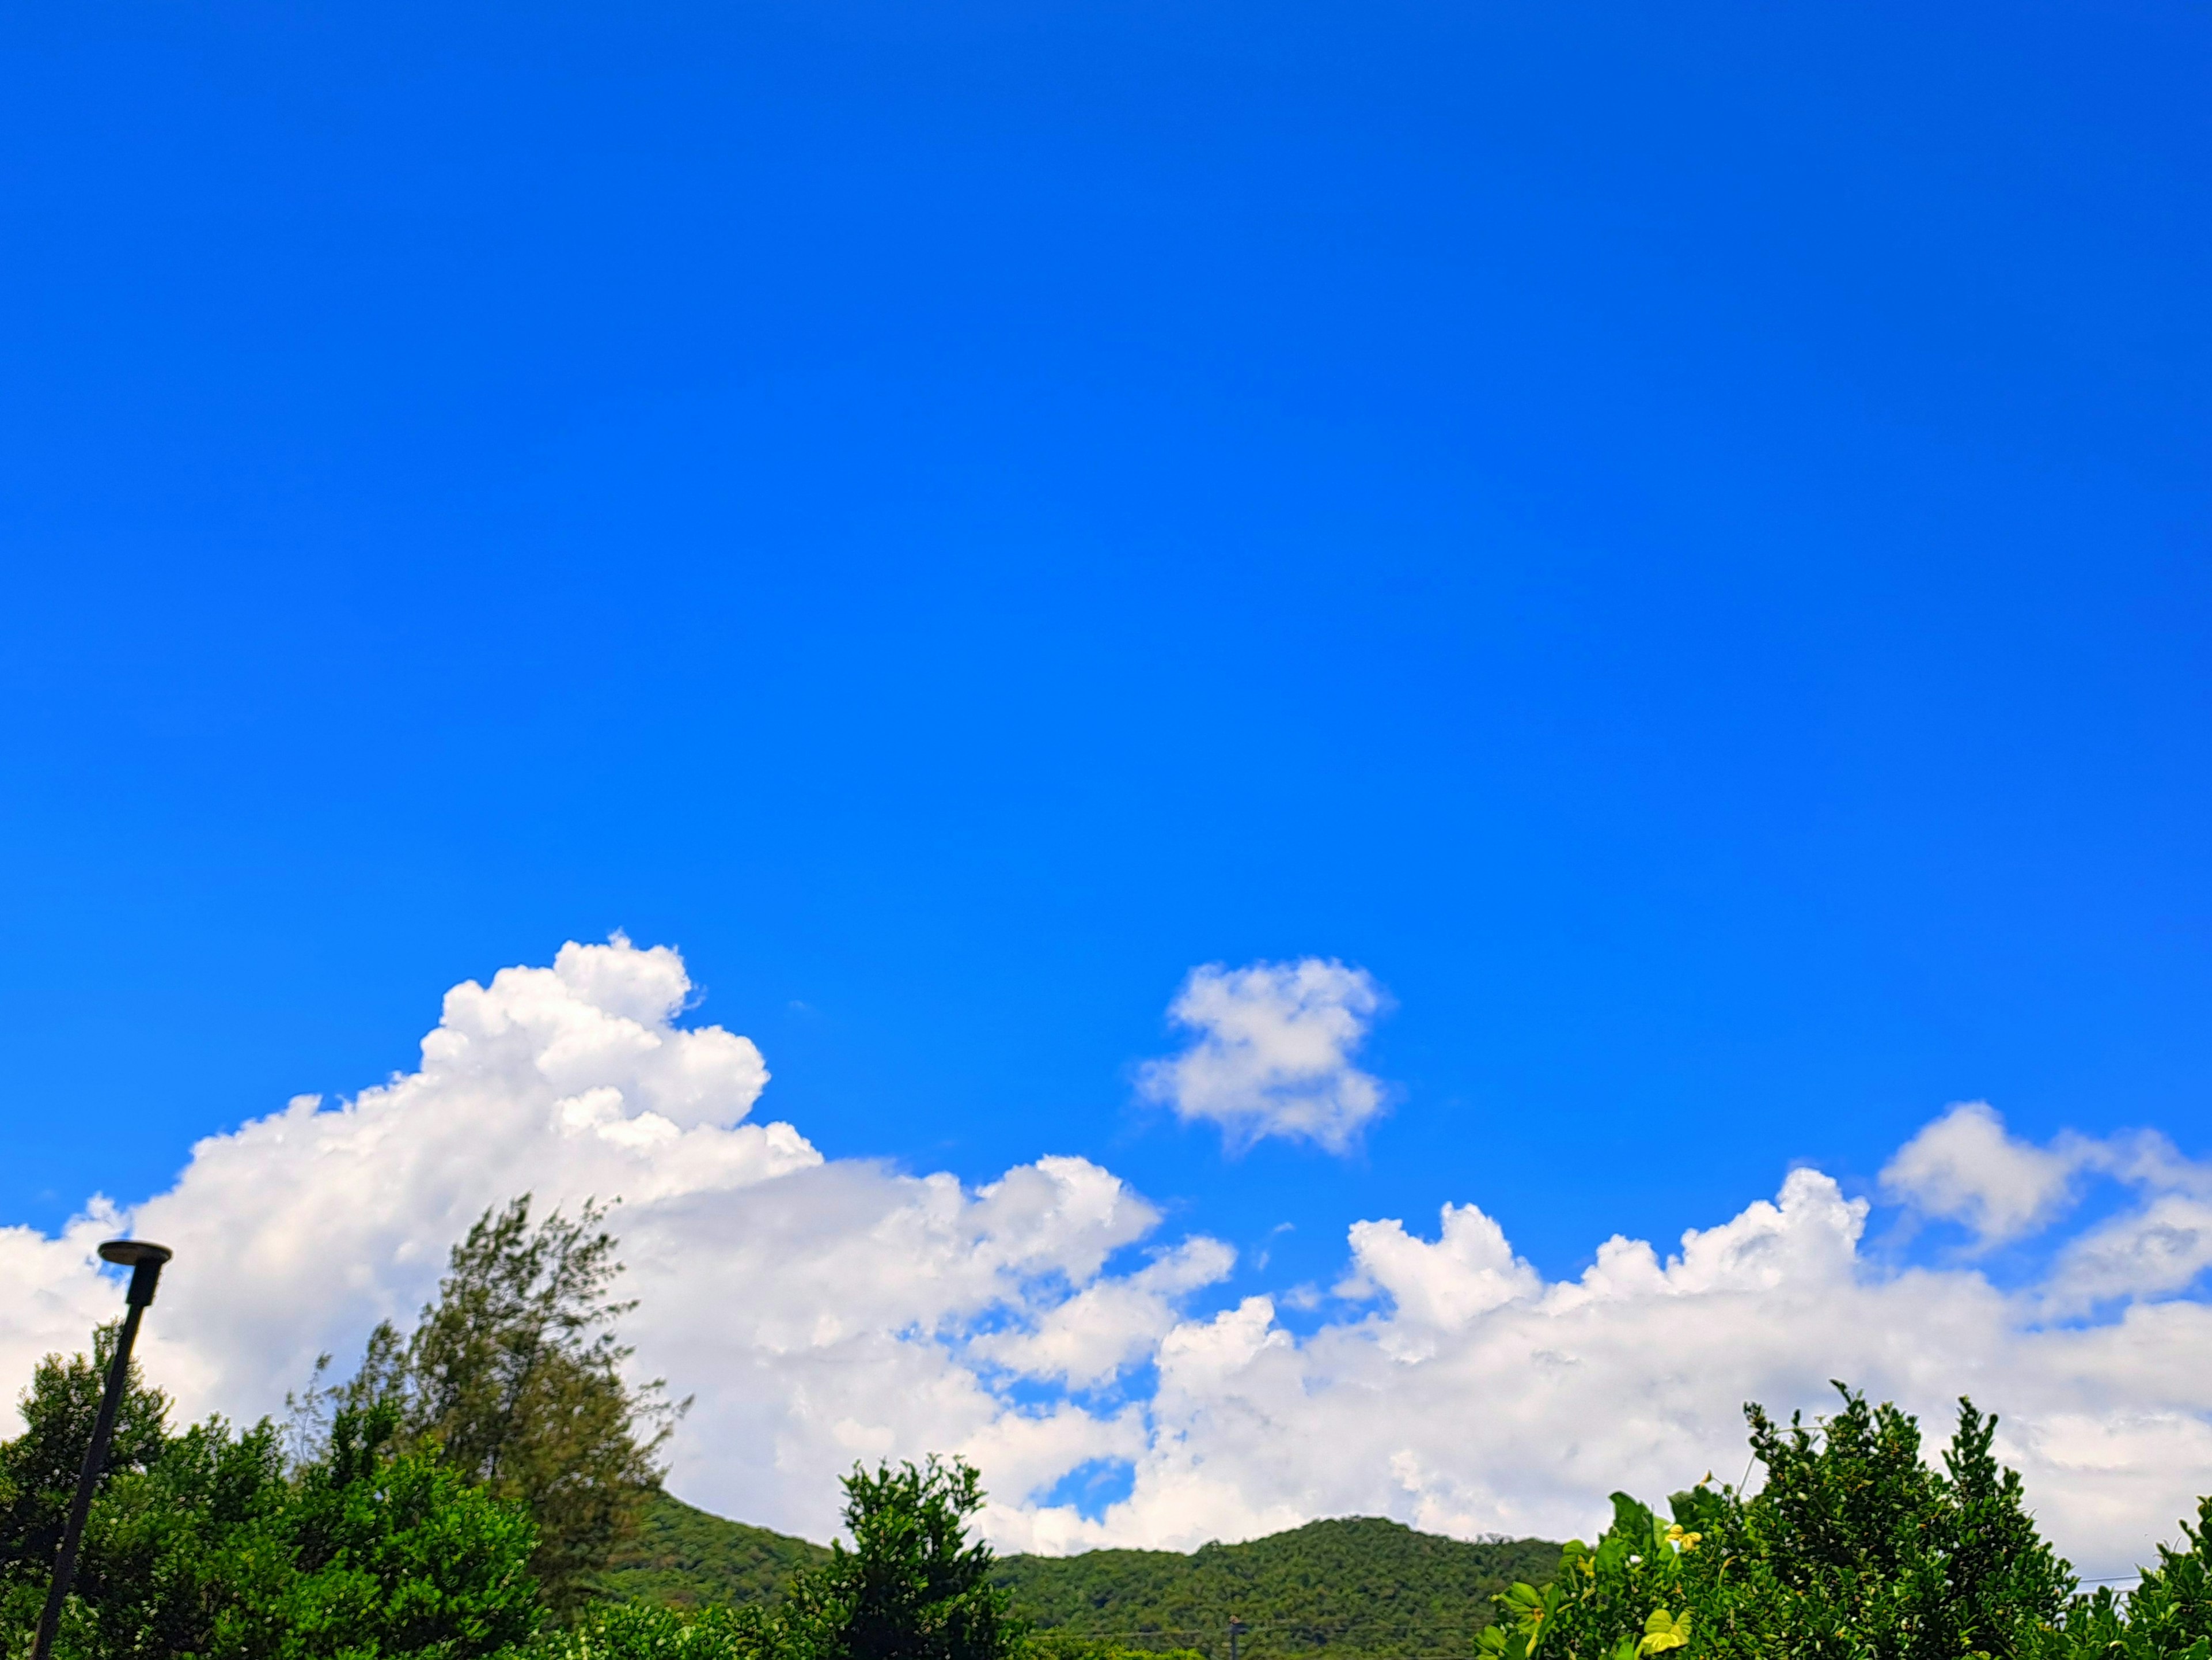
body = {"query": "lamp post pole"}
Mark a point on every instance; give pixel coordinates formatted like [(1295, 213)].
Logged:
[(145, 1260)]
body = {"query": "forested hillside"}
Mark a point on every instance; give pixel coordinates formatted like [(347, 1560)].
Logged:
[(1359, 1586), (685, 1558), (1362, 1587)]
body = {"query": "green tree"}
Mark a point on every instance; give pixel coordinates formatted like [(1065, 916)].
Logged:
[(1853, 1548), (39, 1469), (1856, 1546), (2167, 1616), (913, 1586), (1068, 1646), (398, 1553), (646, 1631), (206, 1545), (513, 1377)]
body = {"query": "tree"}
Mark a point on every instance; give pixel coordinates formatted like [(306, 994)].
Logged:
[(39, 1469), (513, 1378), (645, 1630), (912, 1587), (205, 1545), (1853, 1548), (2168, 1615), (215, 1553), (1869, 1545)]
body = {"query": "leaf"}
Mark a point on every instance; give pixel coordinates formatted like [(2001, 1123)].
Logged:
[(1663, 1630)]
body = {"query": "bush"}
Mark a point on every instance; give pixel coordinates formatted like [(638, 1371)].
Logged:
[(204, 1545), (1853, 1548)]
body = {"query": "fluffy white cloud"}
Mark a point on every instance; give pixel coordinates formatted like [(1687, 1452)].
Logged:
[(823, 1311), (1110, 1324), (2162, 1245), (1965, 1168), (815, 1308), (1478, 1397), (1273, 1054)]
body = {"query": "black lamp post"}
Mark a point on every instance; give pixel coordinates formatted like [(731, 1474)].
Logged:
[(145, 1260)]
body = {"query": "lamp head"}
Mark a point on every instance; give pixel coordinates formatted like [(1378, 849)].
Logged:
[(129, 1253), (144, 1258)]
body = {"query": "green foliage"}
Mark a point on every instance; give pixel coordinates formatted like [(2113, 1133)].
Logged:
[(399, 1555), (2167, 1616), (205, 1545), (1853, 1548), (684, 1558), (1856, 1546), (1354, 1587), (1363, 1586), (913, 1586), (645, 1630), (1608, 1602), (1066, 1645), (403, 1530), (513, 1378), (39, 1469)]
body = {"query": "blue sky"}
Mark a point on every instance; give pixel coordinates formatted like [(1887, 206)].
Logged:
[(1677, 543)]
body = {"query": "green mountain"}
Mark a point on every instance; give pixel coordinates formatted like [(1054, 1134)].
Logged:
[(685, 1558), (1359, 1588)]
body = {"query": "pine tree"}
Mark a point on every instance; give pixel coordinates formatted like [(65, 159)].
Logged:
[(513, 1378)]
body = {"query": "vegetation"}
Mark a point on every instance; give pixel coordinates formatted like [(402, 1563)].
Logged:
[(912, 1587), (684, 1558), (1066, 1645), (1853, 1548), (651, 1631), (204, 1544), (1363, 1586), (513, 1377), (486, 1488)]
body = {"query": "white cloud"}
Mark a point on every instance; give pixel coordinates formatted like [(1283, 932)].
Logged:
[(1483, 1398), (824, 1311), (1965, 1168), (1112, 1324), (2163, 1246), (1273, 1053), (816, 1308)]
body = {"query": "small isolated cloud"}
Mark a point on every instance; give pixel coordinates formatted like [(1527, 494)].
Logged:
[(1964, 1167), (1274, 1054)]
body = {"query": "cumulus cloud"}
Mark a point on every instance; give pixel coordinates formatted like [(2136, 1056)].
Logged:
[(1965, 1168), (829, 1310), (817, 1308), (1110, 1324), (2164, 1245), (1273, 1054)]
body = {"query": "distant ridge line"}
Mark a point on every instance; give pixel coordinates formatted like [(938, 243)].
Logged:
[(1351, 1587)]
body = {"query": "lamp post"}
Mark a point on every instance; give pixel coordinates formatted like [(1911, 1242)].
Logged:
[(145, 1260)]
